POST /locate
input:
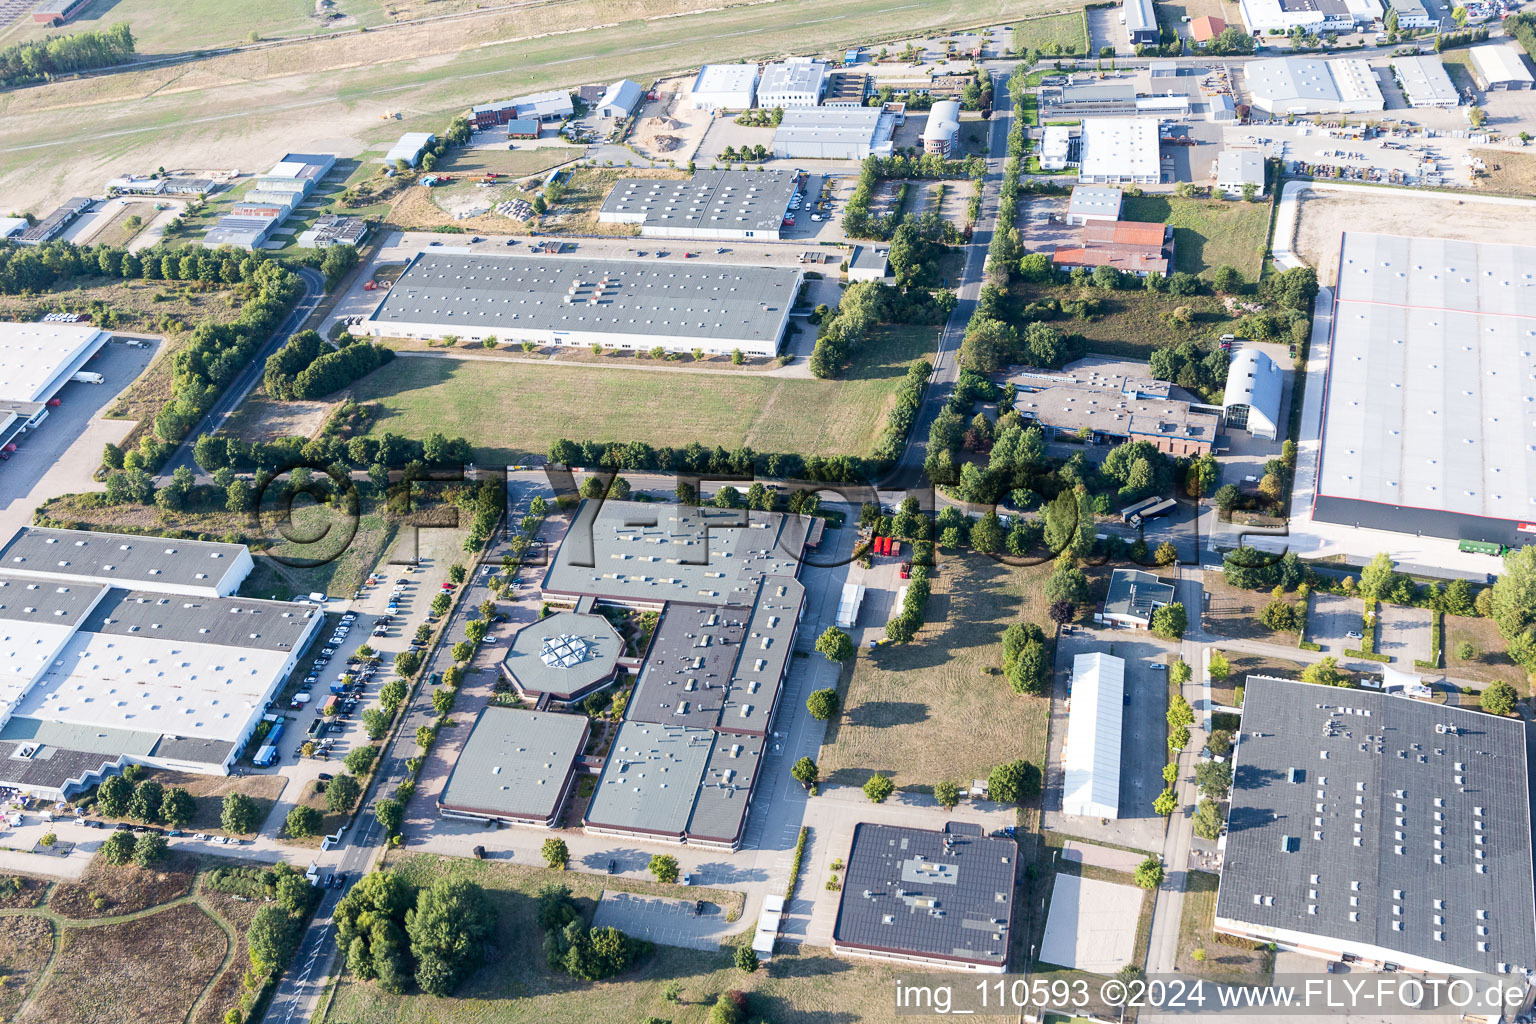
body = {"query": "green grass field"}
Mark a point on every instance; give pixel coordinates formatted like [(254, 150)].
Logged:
[(163, 28), (512, 409), (1058, 33), (1133, 322), (1208, 233), (906, 703)]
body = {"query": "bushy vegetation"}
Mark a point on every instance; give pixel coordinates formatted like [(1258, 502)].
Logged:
[(393, 932), (40, 59), (590, 954), (860, 222), (865, 305)]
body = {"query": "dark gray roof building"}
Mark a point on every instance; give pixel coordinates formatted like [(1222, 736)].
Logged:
[(1133, 597), (943, 899), (120, 560), (1374, 827), (517, 767), (710, 204)]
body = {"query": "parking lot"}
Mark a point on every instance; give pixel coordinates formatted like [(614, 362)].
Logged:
[(672, 922), (1143, 739), (1403, 633), (1330, 621)]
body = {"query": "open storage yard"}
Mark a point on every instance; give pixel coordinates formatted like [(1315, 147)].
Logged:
[(907, 706), (533, 404), (463, 203)]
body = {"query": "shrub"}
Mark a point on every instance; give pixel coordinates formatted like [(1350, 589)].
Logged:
[(878, 788)]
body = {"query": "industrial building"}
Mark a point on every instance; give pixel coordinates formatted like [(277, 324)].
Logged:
[(1426, 422), (1413, 14), (846, 89), (53, 225), (1114, 410), (1140, 21), (1424, 82), (720, 205), (1497, 66), (868, 263), (563, 657), (10, 227), (554, 105), (620, 100), (1056, 146), (579, 301), (250, 224), (1251, 401), (124, 650), (1091, 751), (684, 765), (409, 148), (834, 133), (1280, 16), (1311, 85), (1380, 831), (334, 229), (724, 87), (1133, 597), (1238, 168), (941, 135), (36, 361), (516, 768), (1120, 150), (1064, 99), (57, 12), (937, 899), (797, 82), (1088, 204), (1131, 247), (239, 232)]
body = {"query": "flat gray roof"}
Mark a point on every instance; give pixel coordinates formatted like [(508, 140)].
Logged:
[(688, 670), (791, 76), (37, 600), (123, 558), (828, 124), (514, 763), (642, 551), (1429, 386), (1377, 819), (720, 810), (219, 621), (564, 654), (630, 297), (1136, 593), (765, 653), (1095, 201), (908, 891), (1424, 80), (709, 200), (651, 779)]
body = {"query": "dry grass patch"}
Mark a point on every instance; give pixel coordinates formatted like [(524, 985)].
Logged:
[(1225, 958), (907, 706), (118, 232), (1489, 662), (1234, 612), (22, 892), (226, 989), (150, 969), (26, 943), (261, 419), (1245, 665), (585, 191), (106, 891), (209, 791), (1512, 173)]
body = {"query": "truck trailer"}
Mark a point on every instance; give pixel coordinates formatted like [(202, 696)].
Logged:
[(1161, 508)]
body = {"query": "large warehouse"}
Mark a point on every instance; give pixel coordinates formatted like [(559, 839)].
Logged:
[(1251, 400), (1425, 82), (797, 82), (1280, 16), (36, 361), (1427, 426), (517, 767), (117, 651), (568, 301), (1378, 830), (834, 133), (1120, 151), (1091, 754), (724, 87), (1311, 85), (717, 205)]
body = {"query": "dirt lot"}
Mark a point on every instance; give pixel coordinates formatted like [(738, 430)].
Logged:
[(208, 792), (419, 207), (1325, 216), (668, 128), (1234, 612), (1508, 173), (26, 943), (585, 191), (259, 419), (117, 231), (105, 891), (149, 969)]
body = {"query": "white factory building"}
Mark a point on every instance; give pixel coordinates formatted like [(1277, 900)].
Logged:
[(579, 302), (1091, 754), (1311, 85), (716, 205), (1238, 167), (1120, 151), (1055, 150), (1499, 66), (797, 82), (724, 87), (409, 148), (1267, 16), (942, 133), (620, 100), (123, 650), (834, 133), (1424, 82), (36, 361)]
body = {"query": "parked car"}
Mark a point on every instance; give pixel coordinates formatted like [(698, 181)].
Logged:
[(1353, 635)]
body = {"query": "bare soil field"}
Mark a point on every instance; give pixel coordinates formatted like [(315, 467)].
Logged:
[(118, 232), (261, 419), (26, 943), (668, 128), (106, 891), (147, 969), (1324, 217), (1508, 173)]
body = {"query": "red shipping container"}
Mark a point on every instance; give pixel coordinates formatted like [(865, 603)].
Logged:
[(892, 546)]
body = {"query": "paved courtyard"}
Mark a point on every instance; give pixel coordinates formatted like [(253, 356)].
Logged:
[(672, 922), (1086, 928)]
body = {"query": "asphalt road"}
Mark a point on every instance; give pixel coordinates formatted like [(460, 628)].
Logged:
[(245, 383)]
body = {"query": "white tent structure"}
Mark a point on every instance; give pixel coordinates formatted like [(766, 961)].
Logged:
[(1091, 760)]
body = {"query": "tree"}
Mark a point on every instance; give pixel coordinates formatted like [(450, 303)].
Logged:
[(730, 1008), (392, 695), (823, 704), (145, 804), (664, 867), (462, 651), (448, 930), (805, 772), (390, 813), (1067, 584), (149, 850), (1228, 280), (947, 793), (835, 645), (1219, 669), (271, 939), (878, 788), (746, 959), (1149, 873), (1499, 698), (1170, 621), (1166, 554), (1165, 803), (177, 807), (302, 822), (240, 815), (118, 849), (1477, 117), (375, 723), (1208, 819), (113, 795), (360, 759), (1376, 579), (1180, 673), (1227, 496), (1062, 612), (1214, 779), (1179, 712), (555, 853), (1013, 782), (341, 793)]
